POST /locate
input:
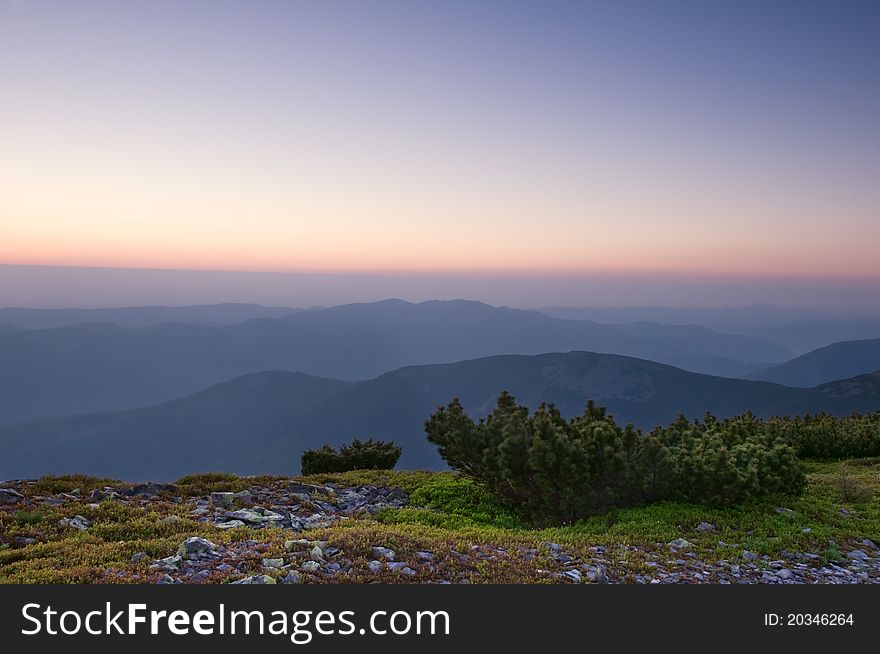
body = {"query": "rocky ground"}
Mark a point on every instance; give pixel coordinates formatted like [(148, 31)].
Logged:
[(289, 531)]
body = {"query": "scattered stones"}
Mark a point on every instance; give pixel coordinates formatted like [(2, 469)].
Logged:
[(10, 496), (230, 524), (197, 548), (292, 577), (574, 574), (257, 579), (273, 563), (311, 566), (749, 556), (223, 500), (375, 566), (857, 555), (77, 522), (680, 544), (384, 553)]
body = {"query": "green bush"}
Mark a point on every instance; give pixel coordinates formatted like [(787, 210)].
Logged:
[(824, 436), (555, 470), (359, 455)]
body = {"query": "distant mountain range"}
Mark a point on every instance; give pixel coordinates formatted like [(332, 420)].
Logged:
[(799, 330), (261, 423), (148, 316), (91, 367), (836, 361)]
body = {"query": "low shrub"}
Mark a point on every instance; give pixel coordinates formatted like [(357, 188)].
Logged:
[(554, 470), (359, 455), (824, 436)]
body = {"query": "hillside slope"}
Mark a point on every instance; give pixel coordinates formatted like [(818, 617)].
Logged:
[(262, 422), (98, 367), (836, 361)]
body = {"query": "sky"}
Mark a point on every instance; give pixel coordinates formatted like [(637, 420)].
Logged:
[(600, 152)]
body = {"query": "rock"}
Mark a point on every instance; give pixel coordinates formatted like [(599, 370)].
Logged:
[(138, 557), (680, 544), (230, 524), (806, 530), (244, 496), (292, 577), (383, 553), (77, 522), (257, 579), (574, 574), (295, 487), (311, 566), (783, 510), (167, 579), (168, 563), (425, 556), (867, 542), (374, 566), (705, 526), (257, 515), (857, 555), (222, 499), (150, 489), (845, 513), (749, 556), (273, 563), (785, 574), (317, 553), (10, 496), (196, 547), (24, 540)]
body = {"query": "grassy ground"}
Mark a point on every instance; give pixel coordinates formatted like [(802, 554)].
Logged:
[(446, 513)]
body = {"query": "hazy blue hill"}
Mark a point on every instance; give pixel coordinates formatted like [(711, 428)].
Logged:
[(806, 335), (835, 361), (262, 422), (797, 329), (96, 366), (146, 316)]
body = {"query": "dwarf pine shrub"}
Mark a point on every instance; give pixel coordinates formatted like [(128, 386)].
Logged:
[(555, 470), (358, 455)]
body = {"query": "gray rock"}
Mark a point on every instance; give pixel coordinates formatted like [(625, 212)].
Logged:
[(257, 579), (680, 544), (375, 566), (317, 553), (196, 547), (425, 556), (705, 526), (257, 516), (749, 556), (138, 557), (222, 499), (783, 510), (845, 513), (273, 563), (230, 524), (574, 574), (384, 553), (243, 496), (311, 566), (77, 522), (785, 574), (292, 577), (857, 555), (24, 540)]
